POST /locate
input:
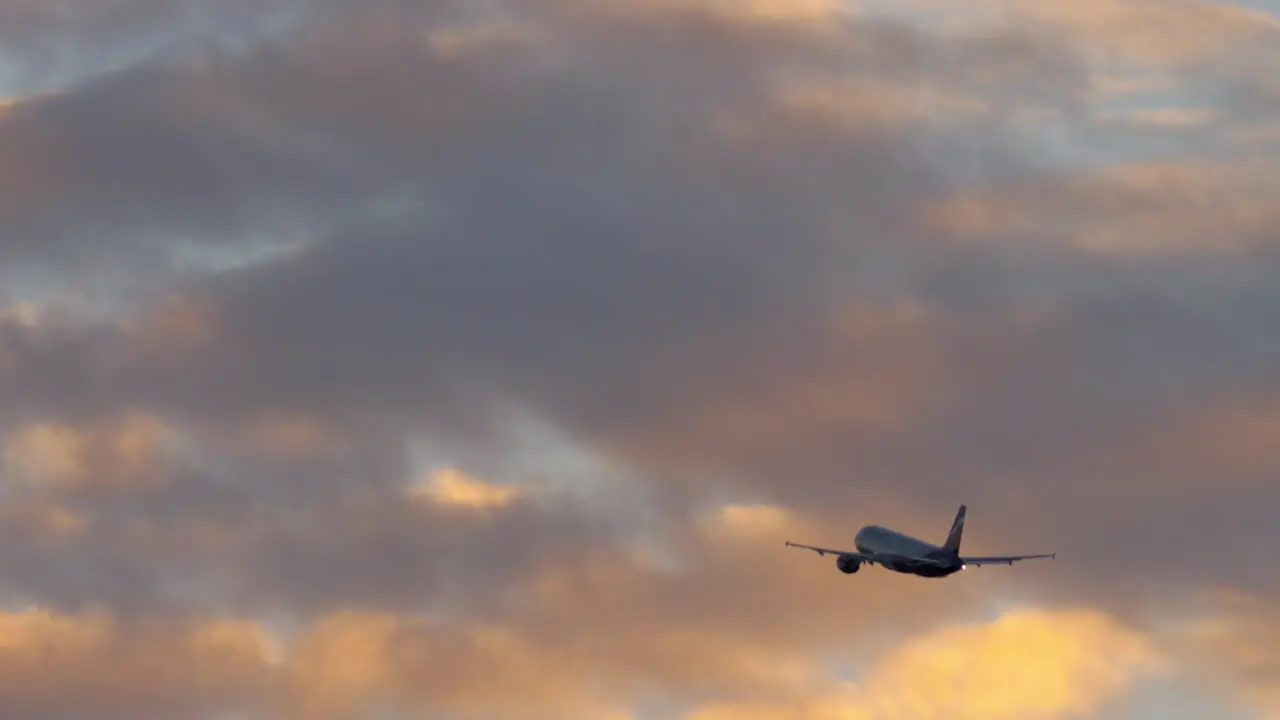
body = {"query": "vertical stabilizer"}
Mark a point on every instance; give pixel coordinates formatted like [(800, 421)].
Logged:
[(957, 529)]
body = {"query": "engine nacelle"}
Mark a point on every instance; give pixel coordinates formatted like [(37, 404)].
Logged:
[(848, 565)]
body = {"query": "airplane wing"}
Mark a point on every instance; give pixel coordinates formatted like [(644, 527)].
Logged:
[(1004, 559), (863, 557), (872, 558)]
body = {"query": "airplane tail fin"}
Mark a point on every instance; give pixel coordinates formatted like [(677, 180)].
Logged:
[(957, 529)]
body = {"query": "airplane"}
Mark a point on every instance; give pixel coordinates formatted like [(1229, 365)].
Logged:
[(902, 553)]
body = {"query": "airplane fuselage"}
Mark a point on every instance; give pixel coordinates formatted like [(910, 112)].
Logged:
[(908, 555)]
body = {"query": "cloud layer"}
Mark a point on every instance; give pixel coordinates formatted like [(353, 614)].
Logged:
[(432, 358)]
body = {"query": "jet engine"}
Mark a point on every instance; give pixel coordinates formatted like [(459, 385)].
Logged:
[(848, 565)]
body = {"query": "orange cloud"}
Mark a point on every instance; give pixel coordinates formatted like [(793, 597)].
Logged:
[(126, 451), (591, 629), (351, 661), (94, 665), (26, 314), (179, 323), (453, 488), (881, 369), (1027, 664), (290, 435), (100, 666), (1170, 118), (341, 661), (1154, 31), (741, 616), (44, 518), (1030, 664), (1230, 439), (1211, 208), (867, 103), (1242, 433), (45, 452), (751, 521), (1234, 643)]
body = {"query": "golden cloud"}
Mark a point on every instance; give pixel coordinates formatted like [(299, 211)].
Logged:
[(1027, 665), (594, 632), (1130, 209), (45, 453), (745, 617), (1234, 643), (1167, 118), (867, 104), (339, 667), (741, 617), (290, 435), (126, 451), (751, 521), (352, 661), (44, 518), (179, 324), (25, 314), (1152, 31), (341, 661), (94, 665), (451, 487)]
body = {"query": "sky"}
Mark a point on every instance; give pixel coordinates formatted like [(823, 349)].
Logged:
[(456, 360)]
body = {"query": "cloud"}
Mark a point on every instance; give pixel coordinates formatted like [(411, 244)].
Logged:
[(93, 664), (760, 271), (1029, 664), (452, 488), (1162, 209), (49, 46), (349, 664), (1230, 640), (323, 129), (721, 611), (1157, 31), (273, 542), (343, 665), (127, 451), (1026, 664)]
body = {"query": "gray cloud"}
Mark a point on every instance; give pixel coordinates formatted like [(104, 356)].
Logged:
[(597, 251), (698, 244), (50, 46)]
